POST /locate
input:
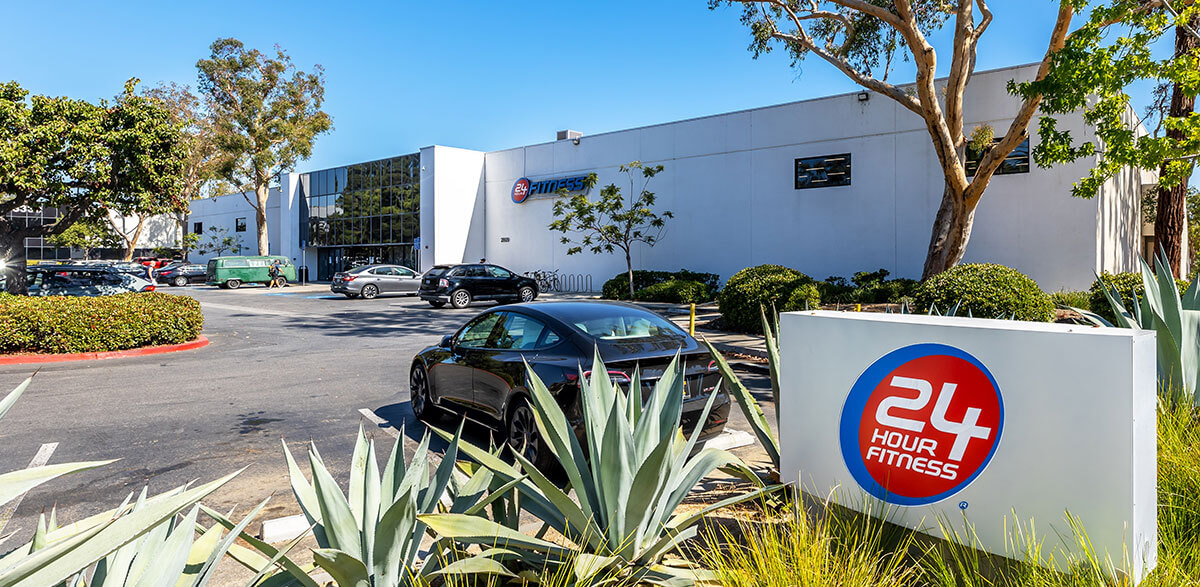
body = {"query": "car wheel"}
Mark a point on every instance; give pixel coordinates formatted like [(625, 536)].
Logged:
[(524, 436), (180, 281), (369, 292), (526, 294), (350, 295), (436, 303), (418, 390), (281, 281), (233, 283), (460, 298)]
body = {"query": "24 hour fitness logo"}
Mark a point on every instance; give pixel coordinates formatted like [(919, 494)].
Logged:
[(921, 423), (520, 190)]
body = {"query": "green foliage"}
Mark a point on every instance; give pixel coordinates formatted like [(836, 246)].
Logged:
[(762, 286), (629, 475), (1074, 299), (373, 535), (55, 324), (87, 235), (986, 290), (1176, 320), (745, 400), (617, 288), (1093, 72), (1128, 285), (84, 159), (674, 291), (266, 115), (805, 296), (609, 223), (867, 287)]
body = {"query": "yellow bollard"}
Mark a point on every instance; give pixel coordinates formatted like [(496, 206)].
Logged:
[(857, 307), (692, 321)]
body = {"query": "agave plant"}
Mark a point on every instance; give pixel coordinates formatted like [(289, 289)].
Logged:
[(373, 535), (635, 471), (145, 531), (1176, 319)]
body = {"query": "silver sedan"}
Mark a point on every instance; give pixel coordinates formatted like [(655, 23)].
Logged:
[(369, 281)]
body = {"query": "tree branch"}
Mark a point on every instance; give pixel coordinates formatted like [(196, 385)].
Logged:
[(961, 67), (1017, 129)]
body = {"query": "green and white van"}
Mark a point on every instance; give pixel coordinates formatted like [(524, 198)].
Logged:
[(232, 272)]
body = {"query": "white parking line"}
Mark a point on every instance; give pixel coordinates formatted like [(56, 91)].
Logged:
[(40, 459), (380, 422), (261, 311)]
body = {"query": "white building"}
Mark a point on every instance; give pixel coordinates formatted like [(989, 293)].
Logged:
[(829, 186)]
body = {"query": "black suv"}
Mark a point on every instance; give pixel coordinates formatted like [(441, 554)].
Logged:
[(180, 275), (461, 284)]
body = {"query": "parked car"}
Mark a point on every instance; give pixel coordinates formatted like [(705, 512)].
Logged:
[(462, 284), (180, 275), (479, 371), (232, 272), (83, 280), (368, 281)]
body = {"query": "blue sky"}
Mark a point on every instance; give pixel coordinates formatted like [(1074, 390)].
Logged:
[(401, 75)]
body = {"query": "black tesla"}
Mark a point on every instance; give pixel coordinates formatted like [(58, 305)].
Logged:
[(479, 372)]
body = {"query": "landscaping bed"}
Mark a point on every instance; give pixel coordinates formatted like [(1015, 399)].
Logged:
[(56, 325)]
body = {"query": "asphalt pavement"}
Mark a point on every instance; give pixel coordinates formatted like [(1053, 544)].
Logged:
[(296, 364)]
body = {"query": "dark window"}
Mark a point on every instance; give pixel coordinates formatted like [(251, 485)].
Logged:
[(821, 172), (523, 333), (498, 272), (479, 331), (1016, 162), (198, 227), (239, 225)]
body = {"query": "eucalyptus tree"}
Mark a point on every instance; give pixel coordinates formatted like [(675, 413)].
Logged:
[(266, 114), (863, 39), (83, 159)]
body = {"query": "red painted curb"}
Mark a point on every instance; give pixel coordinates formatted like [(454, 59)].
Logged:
[(150, 350)]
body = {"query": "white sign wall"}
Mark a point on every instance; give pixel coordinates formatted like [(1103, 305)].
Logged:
[(975, 421)]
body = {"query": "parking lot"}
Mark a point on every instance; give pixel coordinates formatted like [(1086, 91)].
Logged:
[(297, 364)]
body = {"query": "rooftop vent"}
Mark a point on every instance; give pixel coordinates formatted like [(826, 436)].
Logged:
[(564, 135)]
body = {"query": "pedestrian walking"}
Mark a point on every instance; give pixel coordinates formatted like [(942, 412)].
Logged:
[(273, 272)]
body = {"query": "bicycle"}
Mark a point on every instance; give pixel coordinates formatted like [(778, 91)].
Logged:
[(546, 280)]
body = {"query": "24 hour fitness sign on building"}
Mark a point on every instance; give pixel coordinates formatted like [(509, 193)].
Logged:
[(972, 422)]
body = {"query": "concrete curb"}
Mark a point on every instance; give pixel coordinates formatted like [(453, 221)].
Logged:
[(200, 342)]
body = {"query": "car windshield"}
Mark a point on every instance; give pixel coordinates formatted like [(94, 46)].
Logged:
[(613, 322)]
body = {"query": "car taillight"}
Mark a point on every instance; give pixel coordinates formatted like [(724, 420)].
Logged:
[(443, 283), (348, 277), (620, 376), (148, 288)]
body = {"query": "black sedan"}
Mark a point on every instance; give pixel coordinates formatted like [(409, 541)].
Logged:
[(479, 371), (181, 274), (461, 284)]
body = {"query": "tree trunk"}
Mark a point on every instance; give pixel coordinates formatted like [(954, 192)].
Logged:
[(12, 252), (132, 241), (1170, 220), (629, 272), (951, 231), (261, 191)]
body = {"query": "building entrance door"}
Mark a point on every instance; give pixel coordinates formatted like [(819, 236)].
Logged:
[(330, 260)]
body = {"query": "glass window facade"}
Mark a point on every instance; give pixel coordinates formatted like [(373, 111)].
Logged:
[(822, 172), (366, 212), (37, 248), (1016, 162)]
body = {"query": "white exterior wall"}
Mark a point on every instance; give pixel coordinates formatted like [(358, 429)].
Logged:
[(159, 231), (729, 179), (222, 211)]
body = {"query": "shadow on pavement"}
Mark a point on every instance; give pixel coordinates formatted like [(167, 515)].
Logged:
[(400, 416)]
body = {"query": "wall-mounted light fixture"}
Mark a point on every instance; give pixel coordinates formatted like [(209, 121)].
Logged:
[(864, 96), (575, 141)]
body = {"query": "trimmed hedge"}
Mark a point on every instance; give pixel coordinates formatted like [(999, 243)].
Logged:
[(762, 286), (869, 287), (617, 288), (805, 296), (1127, 284), (56, 324), (988, 291), (675, 291)]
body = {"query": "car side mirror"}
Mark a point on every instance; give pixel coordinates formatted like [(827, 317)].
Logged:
[(447, 341)]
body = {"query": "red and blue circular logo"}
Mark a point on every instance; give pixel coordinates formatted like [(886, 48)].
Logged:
[(520, 190), (921, 423)]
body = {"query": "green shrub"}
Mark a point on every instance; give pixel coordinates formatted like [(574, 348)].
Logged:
[(1074, 299), (674, 291), (987, 290), (617, 288), (57, 324), (756, 287), (805, 296), (1128, 284), (867, 287)]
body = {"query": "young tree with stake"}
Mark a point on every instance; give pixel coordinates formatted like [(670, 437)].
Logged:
[(610, 223)]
